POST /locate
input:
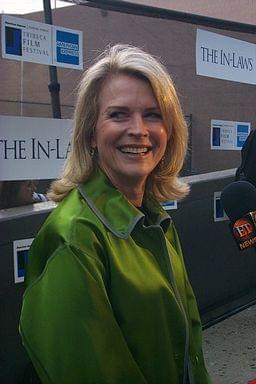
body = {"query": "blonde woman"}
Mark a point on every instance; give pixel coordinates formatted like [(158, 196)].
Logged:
[(108, 299)]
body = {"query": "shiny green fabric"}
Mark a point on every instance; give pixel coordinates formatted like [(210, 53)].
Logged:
[(108, 300)]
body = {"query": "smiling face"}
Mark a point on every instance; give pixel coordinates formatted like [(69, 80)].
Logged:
[(130, 136)]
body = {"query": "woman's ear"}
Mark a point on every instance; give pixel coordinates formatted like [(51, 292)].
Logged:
[(93, 141)]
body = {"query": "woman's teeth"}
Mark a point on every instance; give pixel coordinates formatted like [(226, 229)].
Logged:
[(135, 150)]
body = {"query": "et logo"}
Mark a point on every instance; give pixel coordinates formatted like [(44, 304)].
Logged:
[(243, 229)]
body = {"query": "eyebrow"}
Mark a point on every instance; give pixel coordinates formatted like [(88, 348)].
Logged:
[(124, 108), (117, 107)]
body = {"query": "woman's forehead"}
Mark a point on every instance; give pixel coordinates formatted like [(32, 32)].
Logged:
[(123, 88)]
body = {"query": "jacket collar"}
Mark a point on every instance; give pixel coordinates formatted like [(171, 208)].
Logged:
[(115, 211)]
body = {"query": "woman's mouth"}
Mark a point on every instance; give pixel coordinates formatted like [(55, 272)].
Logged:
[(135, 150)]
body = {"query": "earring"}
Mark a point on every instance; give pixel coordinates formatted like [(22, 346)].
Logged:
[(162, 162), (92, 152)]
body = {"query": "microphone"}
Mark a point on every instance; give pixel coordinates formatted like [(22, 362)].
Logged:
[(238, 200)]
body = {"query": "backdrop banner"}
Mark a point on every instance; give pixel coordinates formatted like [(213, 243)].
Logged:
[(225, 58), (33, 148)]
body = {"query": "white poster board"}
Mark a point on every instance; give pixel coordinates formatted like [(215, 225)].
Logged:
[(229, 135), (219, 213), (33, 148), (20, 256), (168, 205), (28, 40), (225, 58)]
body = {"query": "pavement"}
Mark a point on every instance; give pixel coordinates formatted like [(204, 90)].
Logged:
[(230, 349)]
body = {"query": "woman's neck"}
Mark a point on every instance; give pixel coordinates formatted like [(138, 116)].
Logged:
[(134, 195), (132, 189)]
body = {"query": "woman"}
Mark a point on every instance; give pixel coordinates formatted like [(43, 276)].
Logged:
[(108, 297)]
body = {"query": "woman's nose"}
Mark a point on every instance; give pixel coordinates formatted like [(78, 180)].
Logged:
[(138, 126)]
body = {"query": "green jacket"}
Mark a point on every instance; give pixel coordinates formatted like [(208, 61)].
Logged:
[(108, 299)]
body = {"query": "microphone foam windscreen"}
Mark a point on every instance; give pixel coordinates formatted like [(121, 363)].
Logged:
[(238, 199)]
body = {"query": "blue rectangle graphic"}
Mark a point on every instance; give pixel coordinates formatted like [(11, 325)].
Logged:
[(67, 47), (216, 137), (242, 134), (22, 257), (219, 209), (13, 44)]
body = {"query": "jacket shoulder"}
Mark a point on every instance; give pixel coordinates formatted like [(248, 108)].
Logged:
[(72, 222)]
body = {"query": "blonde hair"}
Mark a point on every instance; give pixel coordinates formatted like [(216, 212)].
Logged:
[(163, 182)]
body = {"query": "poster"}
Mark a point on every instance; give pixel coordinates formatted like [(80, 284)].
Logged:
[(225, 58), (229, 135), (32, 147), (168, 205), (219, 213), (20, 256), (28, 40)]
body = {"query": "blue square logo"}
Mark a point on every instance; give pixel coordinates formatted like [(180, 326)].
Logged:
[(67, 47)]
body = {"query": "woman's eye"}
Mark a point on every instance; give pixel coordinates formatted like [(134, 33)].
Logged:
[(153, 115), (117, 115)]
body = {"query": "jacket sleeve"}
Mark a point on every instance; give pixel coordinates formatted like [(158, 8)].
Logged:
[(68, 327)]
